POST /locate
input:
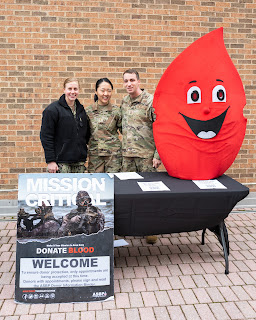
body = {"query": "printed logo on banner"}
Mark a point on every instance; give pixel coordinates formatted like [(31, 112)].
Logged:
[(65, 236), (99, 294)]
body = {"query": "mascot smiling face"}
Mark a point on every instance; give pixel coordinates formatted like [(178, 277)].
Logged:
[(199, 102)]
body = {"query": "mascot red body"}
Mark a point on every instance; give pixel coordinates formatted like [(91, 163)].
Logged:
[(199, 103)]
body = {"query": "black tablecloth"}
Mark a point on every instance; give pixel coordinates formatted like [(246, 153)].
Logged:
[(182, 209)]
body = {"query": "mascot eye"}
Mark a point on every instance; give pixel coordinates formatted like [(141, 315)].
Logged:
[(194, 95), (219, 94)]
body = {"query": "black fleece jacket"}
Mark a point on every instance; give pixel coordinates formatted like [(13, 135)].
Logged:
[(63, 137)]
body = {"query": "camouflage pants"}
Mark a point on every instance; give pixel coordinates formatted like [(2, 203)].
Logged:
[(108, 164), (133, 164), (77, 167)]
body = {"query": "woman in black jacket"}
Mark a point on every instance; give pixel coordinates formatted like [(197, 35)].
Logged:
[(65, 132)]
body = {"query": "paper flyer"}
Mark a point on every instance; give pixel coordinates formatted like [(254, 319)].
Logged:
[(128, 175), (209, 184), (153, 186)]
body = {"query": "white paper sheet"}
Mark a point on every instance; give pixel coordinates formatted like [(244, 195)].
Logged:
[(128, 175), (153, 186), (209, 184), (120, 243)]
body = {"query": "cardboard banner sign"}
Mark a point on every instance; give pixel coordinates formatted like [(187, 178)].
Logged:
[(199, 103), (65, 231)]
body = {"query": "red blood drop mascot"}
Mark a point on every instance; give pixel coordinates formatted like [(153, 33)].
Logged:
[(199, 103)]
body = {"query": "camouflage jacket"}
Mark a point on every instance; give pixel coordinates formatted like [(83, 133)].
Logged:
[(104, 122), (137, 126)]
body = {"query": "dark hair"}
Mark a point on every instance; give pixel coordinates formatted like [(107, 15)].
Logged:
[(131, 71), (98, 82)]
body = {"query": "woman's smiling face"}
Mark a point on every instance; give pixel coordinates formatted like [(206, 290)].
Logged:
[(71, 92), (104, 92)]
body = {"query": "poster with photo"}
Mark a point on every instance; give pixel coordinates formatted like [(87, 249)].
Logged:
[(65, 230)]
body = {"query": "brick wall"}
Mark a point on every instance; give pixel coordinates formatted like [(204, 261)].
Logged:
[(42, 42)]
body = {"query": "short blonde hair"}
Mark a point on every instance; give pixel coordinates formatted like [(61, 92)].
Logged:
[(68, 80)]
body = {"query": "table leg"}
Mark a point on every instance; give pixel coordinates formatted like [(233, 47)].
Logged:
[(203, 234), (225, 244), (222, 234)]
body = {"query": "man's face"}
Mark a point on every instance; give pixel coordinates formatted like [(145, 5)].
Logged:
[(83, 203), (131, 84)]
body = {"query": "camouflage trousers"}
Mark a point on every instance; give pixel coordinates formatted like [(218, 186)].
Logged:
[(108, 164), (77, 167), (134, 164)]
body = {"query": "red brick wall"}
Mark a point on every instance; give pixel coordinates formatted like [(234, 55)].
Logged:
[(42, 42)]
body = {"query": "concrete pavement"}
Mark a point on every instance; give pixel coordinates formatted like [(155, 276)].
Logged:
[(177, 278)]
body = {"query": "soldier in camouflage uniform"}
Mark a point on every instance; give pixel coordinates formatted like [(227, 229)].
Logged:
[(138, 146), (65, 132), (86, 218), (105, 120), (71, 167)]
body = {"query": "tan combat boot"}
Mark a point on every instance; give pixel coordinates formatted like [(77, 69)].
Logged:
[(151, 239)]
